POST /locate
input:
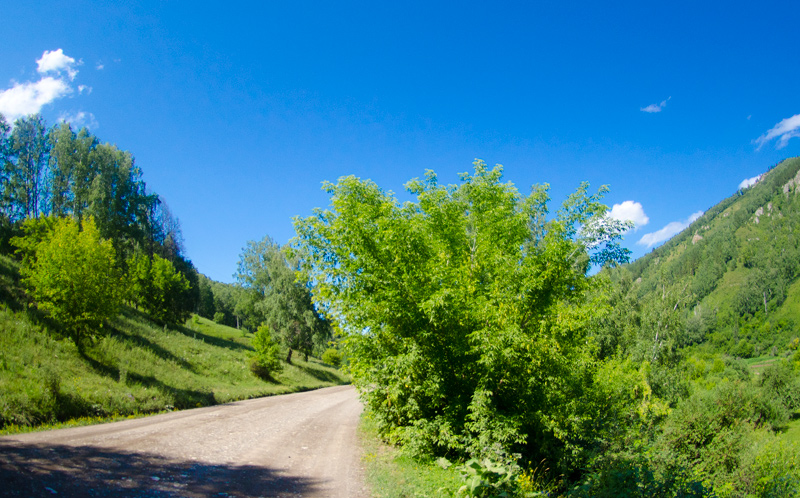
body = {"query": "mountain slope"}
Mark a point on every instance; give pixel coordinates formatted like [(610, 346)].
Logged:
[(731, 277)]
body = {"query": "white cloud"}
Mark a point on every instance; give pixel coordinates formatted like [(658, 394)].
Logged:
[(28, 98), (654, 238), (80, 119), (100, 66), (57, 70), (785, 130), (630, 211), (56, 61), (748, 182), (655, 107)]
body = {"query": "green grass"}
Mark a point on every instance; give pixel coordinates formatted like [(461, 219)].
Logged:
[(135, 368), (792, 434), (390, 473)]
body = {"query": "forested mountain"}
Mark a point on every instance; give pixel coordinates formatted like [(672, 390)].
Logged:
[(729, 281)]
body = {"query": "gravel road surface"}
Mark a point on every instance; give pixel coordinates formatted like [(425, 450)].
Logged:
[(301, 444)]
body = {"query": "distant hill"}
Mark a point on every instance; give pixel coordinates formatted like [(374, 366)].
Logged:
[(729, 281)]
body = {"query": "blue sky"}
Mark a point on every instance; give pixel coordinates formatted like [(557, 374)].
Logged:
[(237, 114)]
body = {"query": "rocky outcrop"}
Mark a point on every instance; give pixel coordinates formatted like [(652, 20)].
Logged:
[(793, 185)]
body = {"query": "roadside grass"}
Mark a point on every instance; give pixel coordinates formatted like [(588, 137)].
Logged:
[(135, 368), (390, 473)]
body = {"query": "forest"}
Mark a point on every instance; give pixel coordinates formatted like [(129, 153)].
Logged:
[(510, 344)]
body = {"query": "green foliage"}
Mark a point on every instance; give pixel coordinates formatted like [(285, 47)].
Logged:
[(332, 357), (486, 478), (466, 310), (266, 361), (637, 478), (72, 276), (24, 169), (782, 383), (219, 317), (279, 298), (61, 173), (711, 431), (771, 469), (156, 286)]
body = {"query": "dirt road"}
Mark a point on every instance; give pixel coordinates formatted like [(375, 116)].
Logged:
[(284, 446)]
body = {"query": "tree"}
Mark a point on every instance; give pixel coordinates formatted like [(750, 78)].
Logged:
[(25, 168), (118, 200), (157, 286), (72, 275), (466, 311), (72, 169), (278, 298)]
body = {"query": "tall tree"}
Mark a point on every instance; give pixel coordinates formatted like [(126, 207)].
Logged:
[(278, 298), (117, 198), (71, 170), (25, 192), (158, 287), (5, 167)]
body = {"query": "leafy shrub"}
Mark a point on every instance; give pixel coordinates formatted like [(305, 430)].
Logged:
[(332, 357), (486, 478), (637, 478), (219, 317), (266, 361), (71, 273), (157, 286), (771, 469), (782, 383), (710, 431)]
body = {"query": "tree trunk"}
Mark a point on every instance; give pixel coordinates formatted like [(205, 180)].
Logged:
[(289, 357)]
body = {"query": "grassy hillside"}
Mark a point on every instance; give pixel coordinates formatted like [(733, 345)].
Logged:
[(733, 273), (136, 367)]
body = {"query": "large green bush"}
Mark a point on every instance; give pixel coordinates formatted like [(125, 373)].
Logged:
[(332, 357), (712, 430), (70, 272), (467, 310), (266, 361), (157, 286)]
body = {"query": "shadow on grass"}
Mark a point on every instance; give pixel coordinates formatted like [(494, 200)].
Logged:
[(35, 469), (142, 342), (180, 398), (323, 375), (11, 292), (210, 339)]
